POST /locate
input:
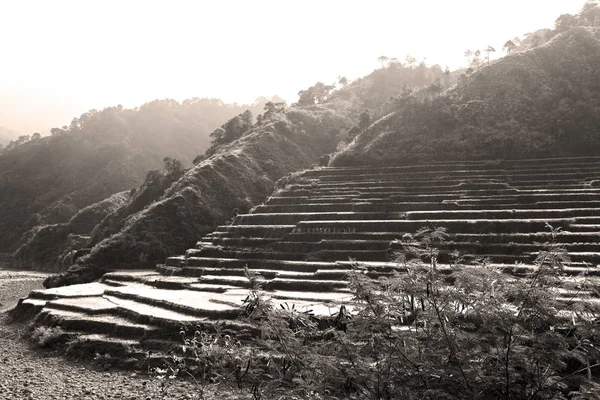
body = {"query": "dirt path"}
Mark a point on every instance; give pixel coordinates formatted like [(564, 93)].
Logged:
[(28, 373)]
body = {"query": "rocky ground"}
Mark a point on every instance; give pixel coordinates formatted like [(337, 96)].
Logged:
[(27, 372)]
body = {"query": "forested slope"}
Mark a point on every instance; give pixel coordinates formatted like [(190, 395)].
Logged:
[(240, 174), (47, 180), (544, 102), (56, 246)]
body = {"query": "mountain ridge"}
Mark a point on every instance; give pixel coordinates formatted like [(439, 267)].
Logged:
[(543, 102)]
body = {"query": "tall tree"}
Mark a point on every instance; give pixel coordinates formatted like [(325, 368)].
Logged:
[(590, 14), (509, 46), (468, 55), (173, 167), (564, 22), (383, 60), (316, 94), (476, 60), (489, 50), (230, 131)]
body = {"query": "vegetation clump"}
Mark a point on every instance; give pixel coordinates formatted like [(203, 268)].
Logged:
[(425, 331)]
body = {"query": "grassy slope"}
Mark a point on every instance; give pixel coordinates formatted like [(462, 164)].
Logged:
[(239, 175), (543, 102)]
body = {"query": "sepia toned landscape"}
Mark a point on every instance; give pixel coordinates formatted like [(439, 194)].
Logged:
[(346, 220)]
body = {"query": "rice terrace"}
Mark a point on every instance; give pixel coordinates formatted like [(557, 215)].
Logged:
[(421, 232)]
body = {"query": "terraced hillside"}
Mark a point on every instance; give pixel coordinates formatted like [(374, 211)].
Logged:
[(301, 239)]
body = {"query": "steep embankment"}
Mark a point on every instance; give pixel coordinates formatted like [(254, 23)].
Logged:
[(538, 103), (47, 180), (239, 175)]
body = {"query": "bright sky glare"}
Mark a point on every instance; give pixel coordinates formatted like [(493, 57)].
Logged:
[(61, 58)]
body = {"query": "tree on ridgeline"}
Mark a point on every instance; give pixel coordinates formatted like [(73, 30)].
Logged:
[(272, 108), (316, 94), (383, 60), (173, 167), (590, 14), (468, 56), (410, 61), (564, 23), (230, 131), (489, 50), (509, 46), (476, 61)]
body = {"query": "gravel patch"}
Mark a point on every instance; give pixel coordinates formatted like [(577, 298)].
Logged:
[(17, 284), (30, 373)]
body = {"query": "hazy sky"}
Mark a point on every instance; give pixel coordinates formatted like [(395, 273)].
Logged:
[(60, 58)]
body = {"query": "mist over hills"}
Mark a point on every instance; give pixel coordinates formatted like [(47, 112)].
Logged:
[(541, 100), (47, 180), (6, 135), (238, 171), (544, 102)]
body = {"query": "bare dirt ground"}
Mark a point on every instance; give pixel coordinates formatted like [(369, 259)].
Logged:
[(30, 373), (17, 284)]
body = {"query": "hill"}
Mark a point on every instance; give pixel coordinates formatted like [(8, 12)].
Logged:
[(54, 247), (544, 102), (239, 170), (47, 180), (239, 175)]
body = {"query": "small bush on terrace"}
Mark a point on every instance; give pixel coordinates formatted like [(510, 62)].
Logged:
[(47, 337)]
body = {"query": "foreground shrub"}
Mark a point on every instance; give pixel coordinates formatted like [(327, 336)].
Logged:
[(451, 332), (425, 331), (47, 337)]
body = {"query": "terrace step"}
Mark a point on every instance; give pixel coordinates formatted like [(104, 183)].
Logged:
[(190, 302), (107, 324), (309, 254), (293, 218), (518, 196), (459, 204), (463, 226), (575, 227), (528, 237)]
